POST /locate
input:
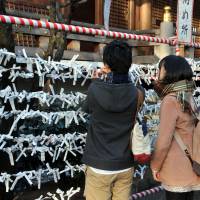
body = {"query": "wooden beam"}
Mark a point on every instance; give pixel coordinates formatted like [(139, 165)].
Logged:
[(137, 14), (146, 31), (74, 45), (99, 48), (145, 15), (43, 42), (104, 40), (86, 56), (30, 51), (45, 32), (145, 59), (98, 11), (32, 31), (131, 18), (196, 33), (86, 38)]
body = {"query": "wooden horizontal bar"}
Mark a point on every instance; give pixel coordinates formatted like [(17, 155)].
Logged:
[(145, 59), (196, 33), (86, 56), (149, 31), (86, 38), (31, 31)]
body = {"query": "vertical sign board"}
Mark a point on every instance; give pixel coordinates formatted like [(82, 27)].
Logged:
[(184, 20), (107, 4)]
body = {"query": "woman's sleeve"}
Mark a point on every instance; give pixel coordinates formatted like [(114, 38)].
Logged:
[(168, 119)]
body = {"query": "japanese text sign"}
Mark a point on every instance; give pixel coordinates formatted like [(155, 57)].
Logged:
[(184, 20)]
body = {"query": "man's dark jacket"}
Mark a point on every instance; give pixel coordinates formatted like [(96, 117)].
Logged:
[(112, 109)]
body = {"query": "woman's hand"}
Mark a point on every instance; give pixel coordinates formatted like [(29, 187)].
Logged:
[(156, 175)]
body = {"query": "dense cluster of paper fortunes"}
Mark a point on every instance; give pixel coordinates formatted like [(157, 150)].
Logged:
[(64, 144), (73, 69), (36, 177), (59, 195)]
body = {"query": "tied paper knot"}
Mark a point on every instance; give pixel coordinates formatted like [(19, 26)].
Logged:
[(11, 180), (43, 144), (60, 195)]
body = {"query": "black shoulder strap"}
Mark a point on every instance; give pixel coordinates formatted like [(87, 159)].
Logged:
[(140, 99)]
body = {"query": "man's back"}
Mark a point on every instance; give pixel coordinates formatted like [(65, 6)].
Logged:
[(112, 108), (112, 104)]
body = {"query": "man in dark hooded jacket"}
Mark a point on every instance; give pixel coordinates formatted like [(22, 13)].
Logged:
[(112, 105)]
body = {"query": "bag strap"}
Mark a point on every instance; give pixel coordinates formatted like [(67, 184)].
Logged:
[(182, 146), (140, 100)]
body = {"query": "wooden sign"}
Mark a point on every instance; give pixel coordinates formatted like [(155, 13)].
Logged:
[(107, 4), (184, 20)]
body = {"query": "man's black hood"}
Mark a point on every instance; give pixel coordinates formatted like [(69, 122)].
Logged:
[(114, 97)]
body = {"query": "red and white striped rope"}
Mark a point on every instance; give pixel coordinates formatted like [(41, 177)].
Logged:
[(81, 30), (146, 193), (89, 31)]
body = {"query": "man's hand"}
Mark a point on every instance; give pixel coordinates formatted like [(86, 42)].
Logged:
[(103, 71), (97, 74)]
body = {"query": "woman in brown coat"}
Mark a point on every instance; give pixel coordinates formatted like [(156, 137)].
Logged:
[(169, 164)]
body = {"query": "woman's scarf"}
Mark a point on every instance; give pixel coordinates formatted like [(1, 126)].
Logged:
[(183, 89), (179, 87)]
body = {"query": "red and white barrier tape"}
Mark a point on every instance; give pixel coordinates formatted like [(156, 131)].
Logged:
[(78, 29), (81, 30), (84, 30), (146, 193)]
